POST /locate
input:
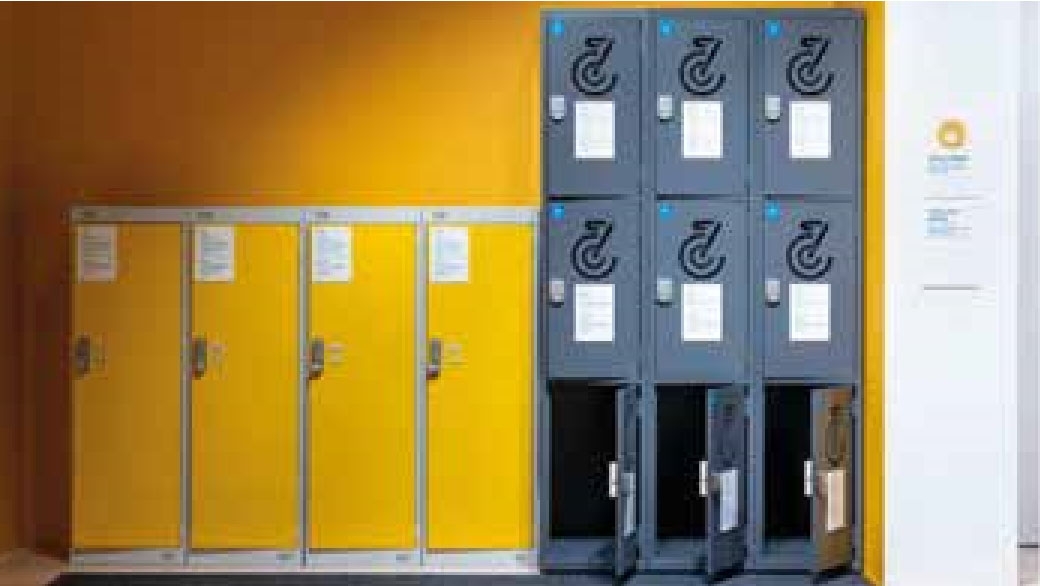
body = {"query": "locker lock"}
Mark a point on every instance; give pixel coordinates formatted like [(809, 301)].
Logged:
[(557, 107), (665, 291), (199, 357), (316, 362), (557, 291), (772, 292), (433, 361), (82, 354), (665, 107), (773, 108)]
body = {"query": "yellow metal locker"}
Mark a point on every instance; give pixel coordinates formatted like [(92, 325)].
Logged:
[(126, 370), (362, 389), (479, 411), (245, 361)]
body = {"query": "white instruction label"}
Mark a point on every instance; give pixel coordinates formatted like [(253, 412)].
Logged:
[(702, 312), (96, 253), (594, 130), (593, 313), (729, 499), (835, 486), (810, 312), (449, 254), (331, 254), (810, 130), (214, 253), (701, 129)]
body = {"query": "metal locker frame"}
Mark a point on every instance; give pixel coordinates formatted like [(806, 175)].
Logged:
[(418, 561)]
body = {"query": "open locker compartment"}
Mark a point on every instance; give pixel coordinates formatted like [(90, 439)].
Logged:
[(808, 477), (591, 456)]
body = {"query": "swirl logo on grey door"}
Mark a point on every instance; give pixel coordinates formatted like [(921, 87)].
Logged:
[(803, 253), (588, 255), (695, 252), (804, 72), (695, 71), (588, 72)]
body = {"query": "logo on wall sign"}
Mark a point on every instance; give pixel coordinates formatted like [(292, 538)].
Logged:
[(836, 444), (695, 256), (587, 254), (804, 73), (588, 73), (695, 72), (803, 253)]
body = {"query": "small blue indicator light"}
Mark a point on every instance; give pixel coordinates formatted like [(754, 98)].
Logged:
[(772, 211), (557, 212), (773, 28), (664, 210), (556, 27), (666, 28)]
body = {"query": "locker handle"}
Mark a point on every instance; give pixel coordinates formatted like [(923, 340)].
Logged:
[(612, 480), (82, 355), (433, 362), (807, 478), (316, 362), (702, 478), (199, 357)]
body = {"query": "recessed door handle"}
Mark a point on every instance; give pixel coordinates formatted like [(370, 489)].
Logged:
[(316, 363), (81, 352), (199, 357), (434, 359)]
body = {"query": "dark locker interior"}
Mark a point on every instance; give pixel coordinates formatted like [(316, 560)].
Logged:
[(788, 444), (583, 430), (681, 446)]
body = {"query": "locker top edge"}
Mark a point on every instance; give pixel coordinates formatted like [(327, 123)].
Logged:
[(710, 13)]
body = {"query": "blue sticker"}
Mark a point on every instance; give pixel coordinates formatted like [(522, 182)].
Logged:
[(772, 211), (773, 28), (556, 28), (666, 28), (557, 211), (664, 210)]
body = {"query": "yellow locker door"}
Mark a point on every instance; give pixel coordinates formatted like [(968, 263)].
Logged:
[(362, 390), (245, 362), (479, 411), (126, 369)]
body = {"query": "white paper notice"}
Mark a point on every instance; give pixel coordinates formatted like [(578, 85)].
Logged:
[(594, 130), (449, 254), (702, 312), (215, 253), (835, 486), (701, 129), (810, 312), (810, 130), (729, 499), (331, 254), (96, 253), (593, 313)]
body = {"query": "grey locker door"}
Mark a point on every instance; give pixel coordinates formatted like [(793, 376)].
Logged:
[(701, 80), (809, 289), (810, 69), (591, 289), (832, 448), (700, 273), (626, 539), (591, 81), (727, 471)]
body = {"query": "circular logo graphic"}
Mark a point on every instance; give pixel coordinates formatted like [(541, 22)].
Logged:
[(588, 73), (804, 74), (695, 72), (803, 253), (695, 256), (587, 253)]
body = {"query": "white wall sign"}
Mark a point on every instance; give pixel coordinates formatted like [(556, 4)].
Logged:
[(594, 130), (809, 133), (593, 312), (214, 253), (701, 129), (331, 254), (449, 254), (810, 312), (702, 312), (96, 253)]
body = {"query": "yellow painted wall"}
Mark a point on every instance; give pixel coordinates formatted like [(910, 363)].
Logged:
[(10, 404), (272, 103)]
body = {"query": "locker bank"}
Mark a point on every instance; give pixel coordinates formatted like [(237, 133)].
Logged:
[(513, 293)]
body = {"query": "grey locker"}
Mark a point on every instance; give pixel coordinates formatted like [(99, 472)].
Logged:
[(726, 475), (626, 539), (592, 66), (833, 482), (807, 110), (701, 250), (809, 289), (591, 279), (700, 101)]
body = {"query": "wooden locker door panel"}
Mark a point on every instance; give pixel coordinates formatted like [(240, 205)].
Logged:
[(244, 407), (127, 406), (362, 405), (479, 408)]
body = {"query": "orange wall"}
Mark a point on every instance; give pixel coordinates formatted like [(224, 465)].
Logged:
[(276, 104), (10, 405)]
